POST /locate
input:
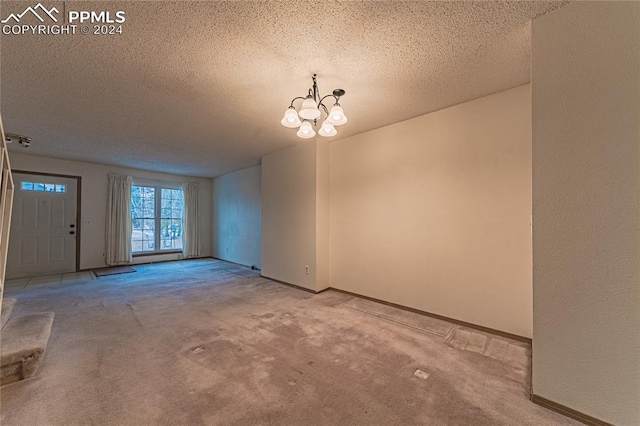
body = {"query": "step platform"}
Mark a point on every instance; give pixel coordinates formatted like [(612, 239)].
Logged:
[(24, 341)]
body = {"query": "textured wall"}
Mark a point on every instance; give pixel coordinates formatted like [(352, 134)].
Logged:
[(289, 214), (434, 212), (94, 201), (236, 217), (586, 209)]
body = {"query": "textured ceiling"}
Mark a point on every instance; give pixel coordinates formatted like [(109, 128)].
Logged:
[(199, 88)]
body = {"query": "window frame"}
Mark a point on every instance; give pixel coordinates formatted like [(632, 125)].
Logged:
[(158, 187), (24, 186)]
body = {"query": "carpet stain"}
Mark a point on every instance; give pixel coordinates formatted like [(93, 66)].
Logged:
[(400, 316), (421, 374), (197, 349), (512, 353)]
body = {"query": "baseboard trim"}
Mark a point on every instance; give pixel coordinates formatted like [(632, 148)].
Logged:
[(294, 285), (441, 317), (566, 411), (252, 267)]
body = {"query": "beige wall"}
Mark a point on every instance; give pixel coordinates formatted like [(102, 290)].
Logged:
[(434, 212), (94, 202), (294, 222), (236, 217), (586, 208), (323, 276)]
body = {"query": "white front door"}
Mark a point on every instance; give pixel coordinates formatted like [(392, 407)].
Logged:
[(43, 226)]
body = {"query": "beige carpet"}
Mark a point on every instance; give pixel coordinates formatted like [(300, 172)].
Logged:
[(190, 343)]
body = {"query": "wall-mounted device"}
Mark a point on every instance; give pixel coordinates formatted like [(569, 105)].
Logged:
[(25, 141)]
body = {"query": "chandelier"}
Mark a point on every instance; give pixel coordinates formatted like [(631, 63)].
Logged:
[(311, 111)]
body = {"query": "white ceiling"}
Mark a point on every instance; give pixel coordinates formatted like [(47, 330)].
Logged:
[(199, 88)]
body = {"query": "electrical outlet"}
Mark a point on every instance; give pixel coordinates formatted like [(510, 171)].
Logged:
[(306, 269)]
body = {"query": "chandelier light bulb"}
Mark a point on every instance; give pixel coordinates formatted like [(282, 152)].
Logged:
[(327, 129), (290, 118), (309, 110), (336, 116), (306, 130)]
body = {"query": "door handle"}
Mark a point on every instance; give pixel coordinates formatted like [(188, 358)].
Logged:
[(72, 232)]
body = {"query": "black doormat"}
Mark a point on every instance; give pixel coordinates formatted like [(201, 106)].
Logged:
[(114, 270)]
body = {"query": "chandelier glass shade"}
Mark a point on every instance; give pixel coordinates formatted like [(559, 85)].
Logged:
[(311, 111), (327, 129), (336, 115), (291, 119), (306, 130)]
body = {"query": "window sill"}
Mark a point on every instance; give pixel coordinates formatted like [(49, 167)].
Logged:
[(155, 253)]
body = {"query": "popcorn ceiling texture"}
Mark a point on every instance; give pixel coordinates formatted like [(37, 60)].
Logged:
[(199, 88)]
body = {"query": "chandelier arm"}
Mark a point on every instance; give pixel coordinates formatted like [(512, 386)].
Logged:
[(296, 98), (326, 111), (329, 96)]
